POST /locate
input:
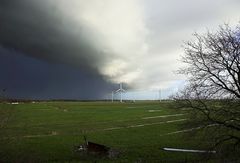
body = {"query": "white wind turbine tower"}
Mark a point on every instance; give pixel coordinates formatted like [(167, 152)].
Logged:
[(112, 95), (120, 90), (160, 95)]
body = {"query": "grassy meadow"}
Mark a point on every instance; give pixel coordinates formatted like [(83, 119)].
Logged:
[(49, 131)]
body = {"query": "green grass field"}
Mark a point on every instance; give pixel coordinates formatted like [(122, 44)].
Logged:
[(48, 132)]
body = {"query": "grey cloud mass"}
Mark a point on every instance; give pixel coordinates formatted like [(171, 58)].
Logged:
[(36, 28), (133, 41)]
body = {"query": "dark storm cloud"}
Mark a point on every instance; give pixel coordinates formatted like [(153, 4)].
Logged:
[(137, 42), (28, 78), (38, 29), (43, 54)]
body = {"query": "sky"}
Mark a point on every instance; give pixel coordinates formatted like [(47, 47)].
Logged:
[(78, 49)]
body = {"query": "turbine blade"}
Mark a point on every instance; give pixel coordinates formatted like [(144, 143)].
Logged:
[(118, 90)]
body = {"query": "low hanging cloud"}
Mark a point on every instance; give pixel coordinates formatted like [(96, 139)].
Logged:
[(103, 37), (132, 41), (39, 29)]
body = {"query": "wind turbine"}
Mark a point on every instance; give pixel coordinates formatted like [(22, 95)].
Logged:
[(120, 90), (112, 95), (160, 95)]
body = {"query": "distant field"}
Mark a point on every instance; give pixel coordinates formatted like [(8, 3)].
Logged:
[(48, 131)]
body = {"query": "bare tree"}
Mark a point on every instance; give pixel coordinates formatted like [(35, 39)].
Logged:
[(213, 91)]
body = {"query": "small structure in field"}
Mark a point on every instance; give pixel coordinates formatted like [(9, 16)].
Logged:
[(97, 149)]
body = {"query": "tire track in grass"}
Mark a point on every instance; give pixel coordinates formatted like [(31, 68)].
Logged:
[(164, 116), (151, 111), (188, 130), (103, 122), (54, 133), (130, 126), (146, 124)]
